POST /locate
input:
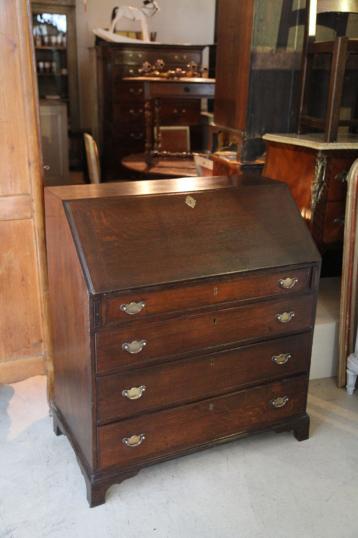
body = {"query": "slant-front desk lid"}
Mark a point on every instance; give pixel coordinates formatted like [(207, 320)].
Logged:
[(149, 233)]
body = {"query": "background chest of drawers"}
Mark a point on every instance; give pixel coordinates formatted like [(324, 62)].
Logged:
[(182, 317), (316, 173), (121, 103)]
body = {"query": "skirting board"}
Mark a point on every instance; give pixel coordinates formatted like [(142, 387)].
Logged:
[(19, 369)]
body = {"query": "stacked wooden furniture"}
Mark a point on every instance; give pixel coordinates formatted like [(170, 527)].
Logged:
[(121, 103), (182, 315)]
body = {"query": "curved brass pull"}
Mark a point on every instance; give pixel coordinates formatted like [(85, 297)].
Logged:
[(134, 440), (136, 91), (285, 317), (288, 283), (136, 136), (134, 393), (279, 402), (134, 347), (282, 358), (132, 308)]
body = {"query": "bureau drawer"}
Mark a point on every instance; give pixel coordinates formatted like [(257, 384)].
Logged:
[(147, 389), (182, 428), (144, 341), (253, 286)]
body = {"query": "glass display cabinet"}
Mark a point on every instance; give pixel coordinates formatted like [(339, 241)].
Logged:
[(50, 41), (55, 42), (54, 34)]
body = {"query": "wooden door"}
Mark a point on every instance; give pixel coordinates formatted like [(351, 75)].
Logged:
[(23, 325)]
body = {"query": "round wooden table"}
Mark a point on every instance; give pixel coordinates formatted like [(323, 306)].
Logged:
[(163, 168)]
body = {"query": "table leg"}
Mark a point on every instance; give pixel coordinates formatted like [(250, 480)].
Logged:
[(148, 118), (157, 134)]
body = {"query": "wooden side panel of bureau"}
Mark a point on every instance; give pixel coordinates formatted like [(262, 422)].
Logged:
[(154, 358)]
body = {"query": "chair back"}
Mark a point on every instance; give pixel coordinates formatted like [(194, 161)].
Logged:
[(93, 164)]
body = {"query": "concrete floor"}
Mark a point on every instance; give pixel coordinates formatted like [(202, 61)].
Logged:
[(267, 486)]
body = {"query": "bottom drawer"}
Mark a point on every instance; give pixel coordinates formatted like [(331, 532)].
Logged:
[(167, 432)]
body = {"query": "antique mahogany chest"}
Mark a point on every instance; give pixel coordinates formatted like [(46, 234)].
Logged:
[(182, 314), (316, 172)]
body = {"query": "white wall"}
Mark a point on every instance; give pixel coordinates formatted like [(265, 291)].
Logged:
[(178, 21)]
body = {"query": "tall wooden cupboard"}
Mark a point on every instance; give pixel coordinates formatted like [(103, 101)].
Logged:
[(23, 326)]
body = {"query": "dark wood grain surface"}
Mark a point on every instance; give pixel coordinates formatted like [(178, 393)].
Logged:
[(233, 56), (251, 286), (70, 321), (189, 333), (190, 425), (127, 242), (200, 377)]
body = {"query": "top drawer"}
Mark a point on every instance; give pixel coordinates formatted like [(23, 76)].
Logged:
[(130, 306), (171, 58)]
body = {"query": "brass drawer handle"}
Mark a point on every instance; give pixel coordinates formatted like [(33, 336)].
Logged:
[(136, 91), (282, 358), (279, 402), (132, 308), (136, 113), (134, 440), (288, 283), (134, 347), (136, 136), (285, 317), (134, 393)]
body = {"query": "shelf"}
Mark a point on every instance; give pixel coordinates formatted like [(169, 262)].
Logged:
[(60, 100), (50, 47), (52, 74)]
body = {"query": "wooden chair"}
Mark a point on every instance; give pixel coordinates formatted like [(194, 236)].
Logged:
[(174, 138), (339, 50), (92, 157)]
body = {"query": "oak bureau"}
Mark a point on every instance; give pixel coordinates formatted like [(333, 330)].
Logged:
[(182, 315)]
